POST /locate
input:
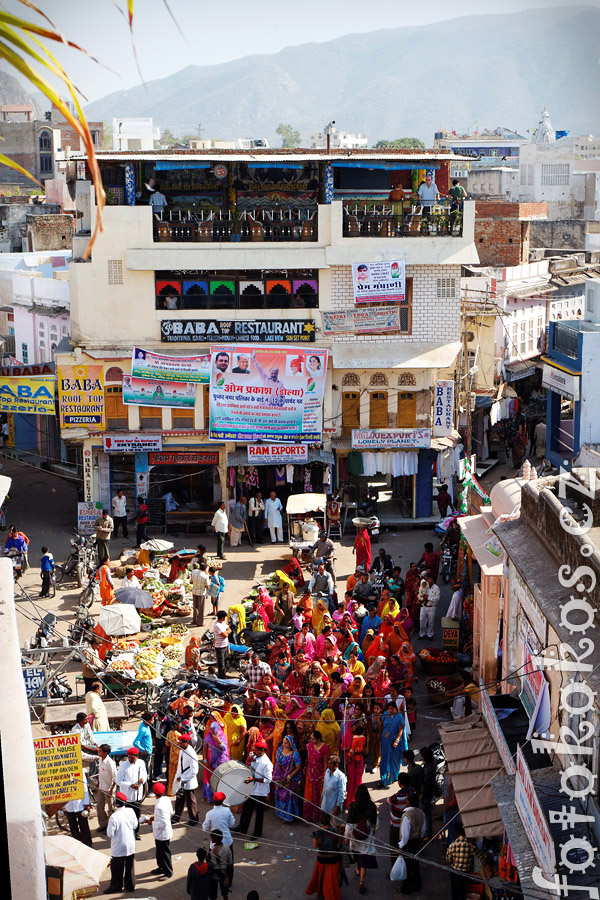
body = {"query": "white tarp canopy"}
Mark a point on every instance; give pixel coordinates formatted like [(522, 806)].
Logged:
[(119, 618), (395, 355), (298, 504)]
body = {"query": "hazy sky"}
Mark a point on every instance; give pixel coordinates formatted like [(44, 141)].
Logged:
[(219, 32)]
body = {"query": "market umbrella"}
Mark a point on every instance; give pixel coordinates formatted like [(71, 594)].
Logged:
[(119, 619), (83, 866), (134, 597), (157, 545)]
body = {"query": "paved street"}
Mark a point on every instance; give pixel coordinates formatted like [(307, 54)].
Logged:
[(43, 506)]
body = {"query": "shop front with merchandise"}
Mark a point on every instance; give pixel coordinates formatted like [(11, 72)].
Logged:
[(285, 469)]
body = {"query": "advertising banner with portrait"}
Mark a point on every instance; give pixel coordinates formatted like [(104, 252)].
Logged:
[(266, 394), (379, 281), (145, 364), (146, 392)]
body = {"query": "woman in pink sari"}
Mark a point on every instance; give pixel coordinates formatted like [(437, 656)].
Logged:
[(305, 640), (295, 708), (266, 603), (317, 756), (216, 750)]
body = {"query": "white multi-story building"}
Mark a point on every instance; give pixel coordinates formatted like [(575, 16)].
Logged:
[(338, 140), (266, 241), (137, 133), (560, 172)]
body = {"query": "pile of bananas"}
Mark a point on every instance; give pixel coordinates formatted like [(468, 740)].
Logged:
[(146, 671), (149, 655)]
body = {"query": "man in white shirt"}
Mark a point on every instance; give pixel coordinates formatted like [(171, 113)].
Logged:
[(428, 194), (321, 582), (107, 780), (262, 774), (131, 777), (256, 520), (200, 583), (186, 776), (122, 831), (273, 509), (334, 788), (221, 632), (428, 608), (162, 831), (220, 525), (220, 817), (412, 832), (119, 508), (89, 747)]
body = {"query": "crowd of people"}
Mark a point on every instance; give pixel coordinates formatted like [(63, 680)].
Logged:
[(329, 705)]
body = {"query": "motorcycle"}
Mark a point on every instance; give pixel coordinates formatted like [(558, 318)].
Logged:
[(82, 628), (80, 559), (237, 654), (91, 590), (16, 557), (261, 642), (448, 561)]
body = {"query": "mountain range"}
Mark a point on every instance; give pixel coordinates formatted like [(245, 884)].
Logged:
[(479, 71)]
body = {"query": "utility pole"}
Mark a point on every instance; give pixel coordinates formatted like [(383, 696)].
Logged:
[(467, 379), (200, 129)]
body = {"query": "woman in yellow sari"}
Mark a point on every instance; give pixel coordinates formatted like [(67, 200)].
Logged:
[(357, 686), (280, 720), (235, 728), (317, 619), (355, 666), (330, 730), (171, 753)]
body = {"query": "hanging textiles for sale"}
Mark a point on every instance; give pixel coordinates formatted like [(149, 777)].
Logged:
[(289, 473), (355, 463), (326, 479), (307, 480), (279, 476), (394, 462), (252, 477)]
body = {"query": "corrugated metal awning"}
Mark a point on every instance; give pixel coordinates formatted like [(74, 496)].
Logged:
[(240, 458), (473, 760), (395, 355), (421, 159)]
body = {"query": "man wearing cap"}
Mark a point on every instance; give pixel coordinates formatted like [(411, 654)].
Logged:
[(187, 778), (162, 831), (262, 773), (131, 777), (221, 818), (122, 831)]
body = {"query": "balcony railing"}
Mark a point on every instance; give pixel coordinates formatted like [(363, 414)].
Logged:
[(410, 223), (566, 341), (228, 227)]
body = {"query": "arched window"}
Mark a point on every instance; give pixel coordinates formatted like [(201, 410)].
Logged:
[(65, 332), (378, 379), (351, 379), (45, 148), (42, 329), (54, 333), (114, 375)]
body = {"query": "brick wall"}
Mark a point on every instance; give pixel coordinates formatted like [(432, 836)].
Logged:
[(433, 319), (502, 231), (50, 232), (502, 209)]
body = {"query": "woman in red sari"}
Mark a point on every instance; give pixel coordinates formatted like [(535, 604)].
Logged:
[(317, 755), (362, 548)]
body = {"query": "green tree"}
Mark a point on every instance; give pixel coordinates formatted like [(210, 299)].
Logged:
[(405, 143), (167, 138), (289, 136)]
